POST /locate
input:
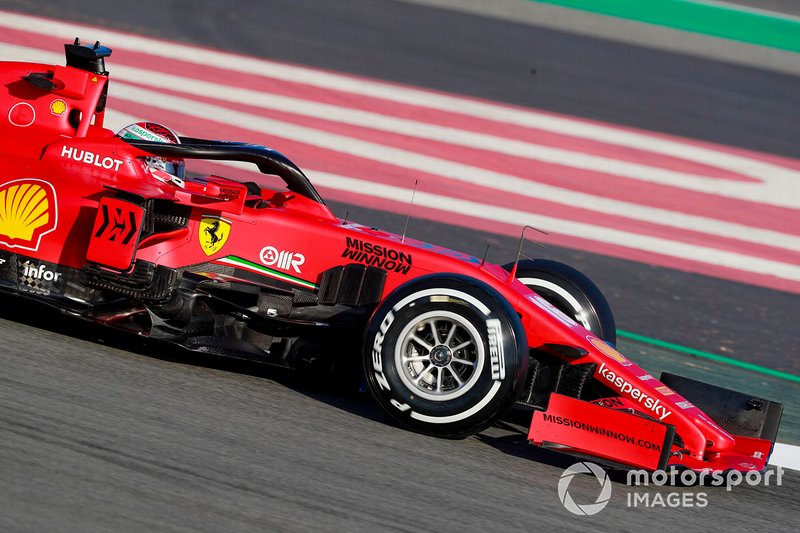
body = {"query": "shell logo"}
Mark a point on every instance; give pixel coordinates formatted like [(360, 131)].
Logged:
[(28, 211), (608, 351), (57, 107)]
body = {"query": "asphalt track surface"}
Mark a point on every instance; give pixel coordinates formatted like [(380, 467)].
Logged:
[(99, 437), (125, 437)]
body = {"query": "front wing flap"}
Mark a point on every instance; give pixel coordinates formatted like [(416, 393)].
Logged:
[(583, 428)]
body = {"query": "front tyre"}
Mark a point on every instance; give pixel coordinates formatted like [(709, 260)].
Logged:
[(571, 292), (445, 355)]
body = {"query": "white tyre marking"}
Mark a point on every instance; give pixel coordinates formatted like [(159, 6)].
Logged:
[(496, 356), (403, 407), (443, 291), (377, 349), (460, 416)]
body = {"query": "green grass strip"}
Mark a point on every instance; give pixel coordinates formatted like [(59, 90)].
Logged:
[(706, 355), (729, 22)]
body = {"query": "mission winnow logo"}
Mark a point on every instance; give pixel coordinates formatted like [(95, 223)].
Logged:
[(377, 256)]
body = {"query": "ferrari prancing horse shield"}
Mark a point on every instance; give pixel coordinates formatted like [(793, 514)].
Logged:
[(213, 233)]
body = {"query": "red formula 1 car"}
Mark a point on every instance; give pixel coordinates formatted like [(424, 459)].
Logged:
[(114, 229)]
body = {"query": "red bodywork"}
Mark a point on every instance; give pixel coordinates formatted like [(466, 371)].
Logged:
[(58, 164)]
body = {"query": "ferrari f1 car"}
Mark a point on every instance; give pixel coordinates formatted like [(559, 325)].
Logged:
[(114, 228)]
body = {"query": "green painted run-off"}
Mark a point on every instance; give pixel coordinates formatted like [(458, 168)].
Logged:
[(708, 356), (724, 21)]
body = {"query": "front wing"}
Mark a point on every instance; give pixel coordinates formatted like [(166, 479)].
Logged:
[(611, 431)]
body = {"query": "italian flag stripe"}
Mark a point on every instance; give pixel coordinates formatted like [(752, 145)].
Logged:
[(238, 262)]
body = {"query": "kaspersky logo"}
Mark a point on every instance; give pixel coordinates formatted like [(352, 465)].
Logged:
[(28, 211), (625, 387)]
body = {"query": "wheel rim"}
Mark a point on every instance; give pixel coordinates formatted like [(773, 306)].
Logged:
[(439, 355)]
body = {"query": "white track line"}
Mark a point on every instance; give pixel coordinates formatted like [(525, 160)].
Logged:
[(412, 160), (786, 455), (458, 171), (420, 162), (477, 176), (778, 185), (553, 225)]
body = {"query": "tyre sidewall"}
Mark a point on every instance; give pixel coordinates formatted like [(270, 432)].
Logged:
[(498, 380)]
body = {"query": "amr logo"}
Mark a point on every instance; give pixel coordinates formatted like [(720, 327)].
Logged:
[(282, 259)]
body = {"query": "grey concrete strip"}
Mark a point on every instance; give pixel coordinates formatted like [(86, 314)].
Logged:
[(625, 32), (775, 7)]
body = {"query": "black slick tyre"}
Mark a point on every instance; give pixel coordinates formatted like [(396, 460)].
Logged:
[(445, 355)]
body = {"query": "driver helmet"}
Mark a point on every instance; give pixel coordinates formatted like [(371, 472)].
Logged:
[(154, 132)]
